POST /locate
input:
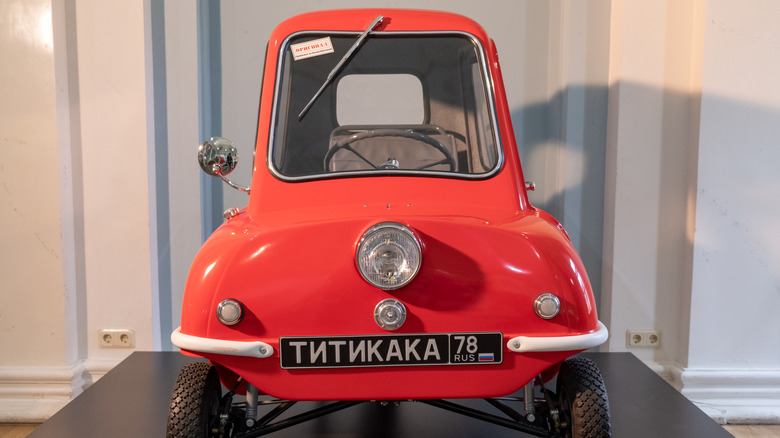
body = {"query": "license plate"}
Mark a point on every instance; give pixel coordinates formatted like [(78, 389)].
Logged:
[(391, 350)]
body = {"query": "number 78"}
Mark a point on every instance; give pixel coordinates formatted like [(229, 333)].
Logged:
[(470, 341)]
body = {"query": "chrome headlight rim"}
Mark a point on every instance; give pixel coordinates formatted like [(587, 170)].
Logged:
[(414, 259)]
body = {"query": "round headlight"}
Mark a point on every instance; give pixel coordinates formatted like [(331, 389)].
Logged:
[(389, 255), (230, 312)]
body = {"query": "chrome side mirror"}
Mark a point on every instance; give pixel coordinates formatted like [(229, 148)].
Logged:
[(218, 157)]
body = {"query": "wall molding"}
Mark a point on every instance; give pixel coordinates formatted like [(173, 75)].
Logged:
[(729, 396), (33, 394)]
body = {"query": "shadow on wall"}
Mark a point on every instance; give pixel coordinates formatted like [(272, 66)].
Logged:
[(562, 146), (668, 162), (643, 173)]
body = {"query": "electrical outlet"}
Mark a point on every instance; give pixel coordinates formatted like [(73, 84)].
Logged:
[(116, 338), (634, 338), (643, 338), (653, 338)]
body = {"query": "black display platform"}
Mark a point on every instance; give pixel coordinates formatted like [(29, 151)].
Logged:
[(132, 401)]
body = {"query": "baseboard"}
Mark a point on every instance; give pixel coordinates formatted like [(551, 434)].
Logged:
[(730, 396), (33, 394)]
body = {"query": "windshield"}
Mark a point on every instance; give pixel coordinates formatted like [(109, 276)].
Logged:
[(403, 103)]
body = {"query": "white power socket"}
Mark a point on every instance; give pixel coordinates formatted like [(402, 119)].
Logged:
[(116, 338), (643, 338)]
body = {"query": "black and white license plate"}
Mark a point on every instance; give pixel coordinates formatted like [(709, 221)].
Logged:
[(391, 350)]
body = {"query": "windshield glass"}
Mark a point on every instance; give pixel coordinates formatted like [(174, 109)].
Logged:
[(403, 103)]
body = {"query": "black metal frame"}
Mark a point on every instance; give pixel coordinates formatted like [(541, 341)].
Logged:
[(263, 426), (517, 420)]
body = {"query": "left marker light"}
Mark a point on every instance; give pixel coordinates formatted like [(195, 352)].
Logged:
[(230, 312)]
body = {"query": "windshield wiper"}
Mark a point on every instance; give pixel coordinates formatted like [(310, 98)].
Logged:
[(341, 63)]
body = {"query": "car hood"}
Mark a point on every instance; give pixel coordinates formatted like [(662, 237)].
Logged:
[(472, 269)]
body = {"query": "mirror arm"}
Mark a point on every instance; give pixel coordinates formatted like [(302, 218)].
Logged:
[(218, 171), (234, 185)]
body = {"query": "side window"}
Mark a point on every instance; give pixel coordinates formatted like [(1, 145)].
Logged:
[(380, 99)]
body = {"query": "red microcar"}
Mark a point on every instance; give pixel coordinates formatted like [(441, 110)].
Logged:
[(388, 251)]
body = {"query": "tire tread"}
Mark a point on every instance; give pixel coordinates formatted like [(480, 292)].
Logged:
[(190, 394), (590, 405)]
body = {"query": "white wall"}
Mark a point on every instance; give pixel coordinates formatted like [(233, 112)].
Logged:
[(32, 261), (32, 264), (652, 93), (737, 241), (735, 291), (656, 118), (75, 198), (112, 107), (690, 219)]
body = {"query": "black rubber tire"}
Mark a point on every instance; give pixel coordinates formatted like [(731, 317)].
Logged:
[(583, 398), (195, 402)]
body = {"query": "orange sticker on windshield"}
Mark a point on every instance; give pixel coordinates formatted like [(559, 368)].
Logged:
[(312, 48)]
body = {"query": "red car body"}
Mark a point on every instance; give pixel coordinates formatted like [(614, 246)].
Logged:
[(289, 258)]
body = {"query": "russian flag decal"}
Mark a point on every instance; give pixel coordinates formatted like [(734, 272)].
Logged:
[(485, 357)]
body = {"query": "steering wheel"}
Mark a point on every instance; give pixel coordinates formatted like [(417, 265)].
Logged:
[(391, 163)]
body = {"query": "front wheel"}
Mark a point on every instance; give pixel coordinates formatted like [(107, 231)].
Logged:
[(195, 402), (582, 399)]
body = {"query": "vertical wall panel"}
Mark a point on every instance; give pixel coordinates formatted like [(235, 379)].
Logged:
[(157, 147), (210, 106), (183, 178), (31, 267), (736, 283), (112, 105)]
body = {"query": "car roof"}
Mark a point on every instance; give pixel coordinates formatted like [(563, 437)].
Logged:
[(395, 20)]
